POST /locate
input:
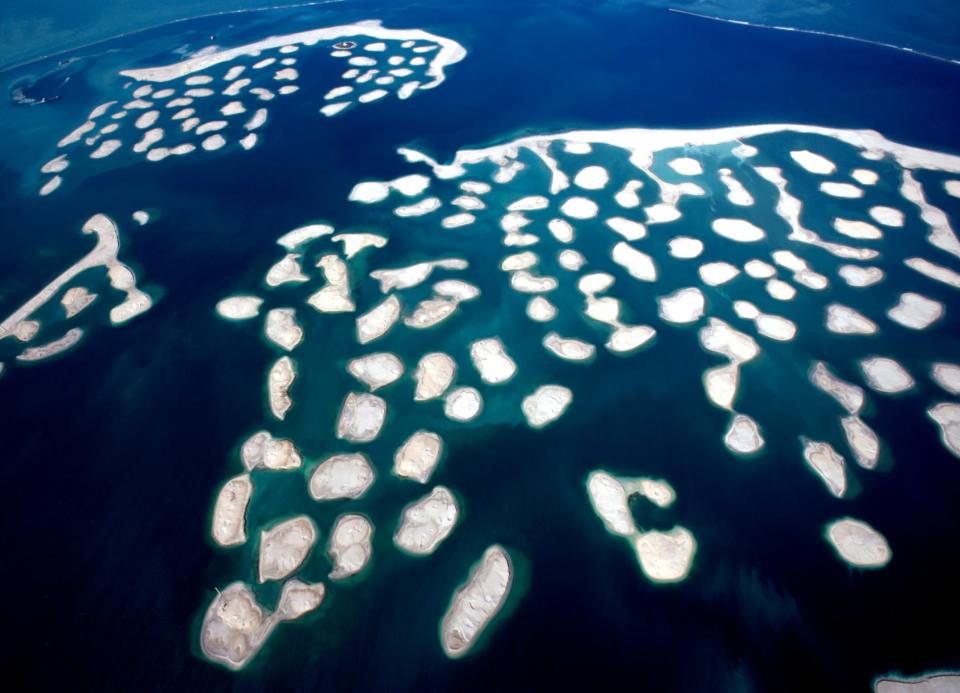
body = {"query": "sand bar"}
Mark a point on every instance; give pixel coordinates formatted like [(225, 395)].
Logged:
[(284, 547), (546, 404), (475, 603), (361, 417), (947, 416), (378, 320), (350, 545), (433, 375), (51, 348), (828, 464), (463, 404), (262, 450), (665, 556), (858, 543), (282, 329), (418, 456), (886, 375), (491, 360), (279, 379), (346, 475), (425, 523), (230, 511)]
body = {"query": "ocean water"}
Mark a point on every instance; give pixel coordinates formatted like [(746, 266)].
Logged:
[(115, 450)]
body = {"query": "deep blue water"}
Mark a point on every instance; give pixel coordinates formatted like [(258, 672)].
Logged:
[(113, 453)]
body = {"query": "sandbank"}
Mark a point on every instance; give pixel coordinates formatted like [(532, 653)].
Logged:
[(282, 329), (378, 320), (862, 441), (433, 375), (475, 603), (743, 436), (51, 348), (842, 190), (685, 247), (682, 306), (579, 208), (860, 277), (540, 309), (609, 500), (75, 300), (858, 543), (639, 265), (546, 404), (284, 547), (230, 511), (492, 361), (813, 163), (463, 404), (947, 376), (263, 451), (630, 230), (827, 463), (425, 523), (350, 545), (850, 397), (568, 349), (239, 307), (418, 456), (279, 380), (845, 320), (717, 273), (346, 475), (738, 230), (361, 417), (303, 234), (665, 556), (916, 312), (886, 375), (947, 416), (285, 271), (887, 216), (936, 272)]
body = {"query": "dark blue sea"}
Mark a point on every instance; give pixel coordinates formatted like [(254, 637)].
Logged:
[(111, 454)]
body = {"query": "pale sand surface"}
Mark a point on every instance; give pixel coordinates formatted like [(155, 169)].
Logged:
[(418, 456), (828, 464), (230, 511), (350, 545), (858, 543), (886, 375), (376, 370), (346, 475), (463, 404), (476, 602), (491, 360), (284, 547), (434, 374), (849, 396), (425, 523), (546, 404), (361, 417), (279, 379), (262, 450)]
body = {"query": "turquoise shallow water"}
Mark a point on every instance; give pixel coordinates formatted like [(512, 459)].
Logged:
[(115, 451)]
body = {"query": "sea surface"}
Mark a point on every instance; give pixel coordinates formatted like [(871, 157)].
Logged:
[(113, 452)]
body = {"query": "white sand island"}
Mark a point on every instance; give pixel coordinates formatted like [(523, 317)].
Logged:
[(361, 417), (475, 603), (346, 475), (425, 523), (350, 545), (418, 456), (284, 547), (858, 543)]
